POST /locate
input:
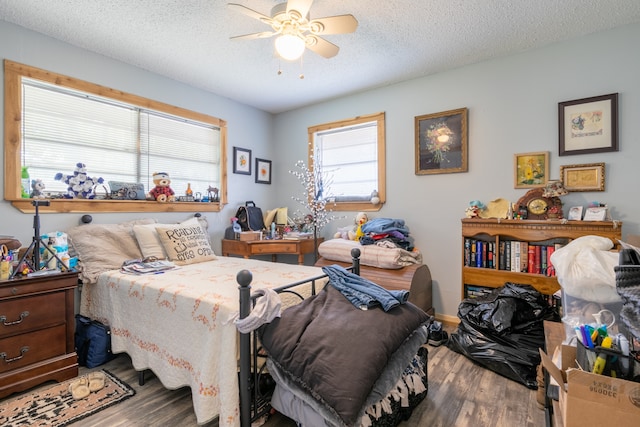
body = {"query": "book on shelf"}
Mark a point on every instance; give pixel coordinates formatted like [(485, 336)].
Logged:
[(524, 256)]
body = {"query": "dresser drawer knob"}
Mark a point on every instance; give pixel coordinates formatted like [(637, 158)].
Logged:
[(23, 350), (23, 315)]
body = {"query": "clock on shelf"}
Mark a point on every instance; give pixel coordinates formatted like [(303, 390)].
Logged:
[(536, 204)]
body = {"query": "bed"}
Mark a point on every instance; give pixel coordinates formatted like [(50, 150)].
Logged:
[(181, 324)]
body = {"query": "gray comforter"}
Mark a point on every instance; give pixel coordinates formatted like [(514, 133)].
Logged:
[(340, 354)]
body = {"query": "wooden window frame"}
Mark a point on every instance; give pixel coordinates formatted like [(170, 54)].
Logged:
[(364, 206), (13, 74)]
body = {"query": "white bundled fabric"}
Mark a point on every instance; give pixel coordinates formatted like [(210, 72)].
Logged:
[(585, 269)]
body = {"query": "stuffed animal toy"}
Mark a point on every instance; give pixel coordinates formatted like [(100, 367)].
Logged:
[(343, 232), (37, 188), (162, 192), (474, 209), (361, 219), (80, 185)]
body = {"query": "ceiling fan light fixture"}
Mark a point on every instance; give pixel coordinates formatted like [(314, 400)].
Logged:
[(290, 47)]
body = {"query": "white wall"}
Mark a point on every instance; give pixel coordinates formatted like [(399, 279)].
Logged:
[(513, 108), (247, 127)]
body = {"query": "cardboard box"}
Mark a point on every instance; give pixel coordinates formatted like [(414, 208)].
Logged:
[(247, 236), (587, 399)]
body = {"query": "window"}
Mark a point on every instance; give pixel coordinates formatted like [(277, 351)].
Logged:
[(351, 155), (120, 137)]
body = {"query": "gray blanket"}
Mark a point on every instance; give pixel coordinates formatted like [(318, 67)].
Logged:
[(337, 352)]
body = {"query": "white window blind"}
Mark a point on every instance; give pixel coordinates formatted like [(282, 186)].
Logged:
[(116, 141), (348, 157)]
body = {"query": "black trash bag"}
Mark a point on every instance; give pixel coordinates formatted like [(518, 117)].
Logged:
[(503, 331)]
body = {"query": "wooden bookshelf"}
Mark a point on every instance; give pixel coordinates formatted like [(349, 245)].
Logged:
[(544, 232)]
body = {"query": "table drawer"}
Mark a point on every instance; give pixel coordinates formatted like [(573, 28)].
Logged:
[(30, 313), (275, 248), (23, 350)]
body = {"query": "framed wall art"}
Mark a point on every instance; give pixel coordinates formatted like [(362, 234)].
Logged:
[(587, 177), (531, 170), (241, 161), (441, 142), (588, 125), (263, 171)]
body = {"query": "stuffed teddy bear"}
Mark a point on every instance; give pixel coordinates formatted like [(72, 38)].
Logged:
[(343, 232), (37, 188), (80, 185), (361, 219), (162, 192)]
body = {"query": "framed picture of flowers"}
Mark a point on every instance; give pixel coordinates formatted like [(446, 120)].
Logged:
[(241, 161), (263, 171), (441, 142), (531, 170)]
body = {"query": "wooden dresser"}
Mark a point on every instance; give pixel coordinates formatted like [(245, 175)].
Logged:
[(37, 331)]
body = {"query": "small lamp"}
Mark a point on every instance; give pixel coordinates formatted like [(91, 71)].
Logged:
[(552, 191)]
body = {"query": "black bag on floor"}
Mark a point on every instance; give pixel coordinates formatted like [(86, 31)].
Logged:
[(92, 341), (502, 331), (250, 217)]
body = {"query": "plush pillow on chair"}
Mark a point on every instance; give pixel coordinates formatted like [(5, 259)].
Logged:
[(186, 243)]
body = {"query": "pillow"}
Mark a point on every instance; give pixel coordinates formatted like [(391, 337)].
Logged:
[(102, 247), (186, 243), (149, 241)]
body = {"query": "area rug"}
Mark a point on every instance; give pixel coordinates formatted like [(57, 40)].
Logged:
[(54, 406)]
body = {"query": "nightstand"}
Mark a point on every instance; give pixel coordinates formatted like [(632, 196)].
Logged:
[(37, 331), (270, 247)]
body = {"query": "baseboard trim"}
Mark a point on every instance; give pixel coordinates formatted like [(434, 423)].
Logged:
[(447, 320)]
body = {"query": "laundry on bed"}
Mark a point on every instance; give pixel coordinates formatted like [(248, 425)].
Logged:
[(363, 293)]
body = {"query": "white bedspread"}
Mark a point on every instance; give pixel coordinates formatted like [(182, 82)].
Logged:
[(177, 324)]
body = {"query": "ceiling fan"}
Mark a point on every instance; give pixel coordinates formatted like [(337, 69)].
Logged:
[(296, 31)]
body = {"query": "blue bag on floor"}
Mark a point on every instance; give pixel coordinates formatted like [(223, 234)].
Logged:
[(93, 342)]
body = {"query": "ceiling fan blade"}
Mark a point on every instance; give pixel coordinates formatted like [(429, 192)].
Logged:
[(301, 6), (261, 35), (249, 12), (322, 47), (339, 24)]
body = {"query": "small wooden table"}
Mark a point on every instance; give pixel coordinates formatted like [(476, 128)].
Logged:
[(270, 247)]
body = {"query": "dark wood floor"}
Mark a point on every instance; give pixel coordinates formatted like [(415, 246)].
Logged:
[(461, 394)]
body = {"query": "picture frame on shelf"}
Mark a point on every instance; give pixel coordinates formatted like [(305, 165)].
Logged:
[(575, 213), (241, 161), (531, 170), (597, 213), (585, 177), (263, 171), (441, 142), (588, 125)]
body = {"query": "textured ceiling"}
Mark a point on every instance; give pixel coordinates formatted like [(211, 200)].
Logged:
[(397, 40)]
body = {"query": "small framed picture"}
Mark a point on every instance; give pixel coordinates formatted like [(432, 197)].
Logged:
[(575, 213), (531, 170), (241, 161), (587, 177), (588, 125), (263, 171), (596, 214)]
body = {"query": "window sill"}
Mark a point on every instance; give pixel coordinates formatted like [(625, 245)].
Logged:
[(88, 206), (354, 206)]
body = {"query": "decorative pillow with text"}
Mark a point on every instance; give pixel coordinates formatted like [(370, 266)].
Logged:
[(186, 243)]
